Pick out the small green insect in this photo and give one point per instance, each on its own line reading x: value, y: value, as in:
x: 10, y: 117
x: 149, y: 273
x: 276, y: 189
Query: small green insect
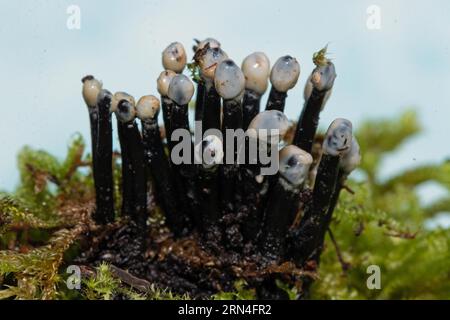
x: 319, y: 57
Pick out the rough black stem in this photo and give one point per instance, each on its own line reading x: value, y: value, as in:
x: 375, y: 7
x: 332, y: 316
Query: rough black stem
x: 104, y: 187
x: 307, y: 237
x: 250, y: 107
x: 161, y: 173
x: 309, y: 121
x: 276, y: 100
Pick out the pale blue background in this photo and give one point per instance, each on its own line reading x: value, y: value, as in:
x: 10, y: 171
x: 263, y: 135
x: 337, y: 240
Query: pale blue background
x: 380, y: 73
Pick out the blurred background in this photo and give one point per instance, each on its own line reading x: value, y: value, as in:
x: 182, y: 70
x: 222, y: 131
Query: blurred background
x: 381, y: 71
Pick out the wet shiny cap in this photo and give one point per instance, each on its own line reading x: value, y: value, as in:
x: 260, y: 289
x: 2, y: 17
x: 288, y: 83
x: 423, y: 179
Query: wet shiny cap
x: 229, y: 80
x: 338, y: 138
x: 262, y: 125
x: 285, y: 73
x: 294, y: 164
x: 147, y: 107
x: 163, y: 82
x: 91, y: 89
x: 126, y: 111
x: 174, y: 57
x: 351, y: 159
x: 323, y: 77
x: 256, y: 69
x: 181, y: 89
x: 209, y: 152
x: 121, y: 96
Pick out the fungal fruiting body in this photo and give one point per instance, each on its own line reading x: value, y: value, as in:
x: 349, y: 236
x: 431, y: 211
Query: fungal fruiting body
x: 174, y: 57
x: 284, y: 199
x: 104, y: 187
x: 90, y: 91
x: 162, y: 84
x: 208, y: 58
x: 336, y: 145
x: 229, y: 82
x: 317, y: 91
x: 240, y: 196
x: 284, y: 76
x: 209, y: 152
x: 133, y: 164
x: 180, y: 92
x: 147, y: 111
x: 266, y: 130
x: 201, y: 87
x: 256, y: 69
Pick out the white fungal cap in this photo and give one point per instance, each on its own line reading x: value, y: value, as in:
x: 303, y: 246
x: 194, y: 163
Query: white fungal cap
x: 294, y: 164
x: 323, y: 77
x: 308, y: 91
x: 338, y: 138
x: 213, y: 43
x: 121, y: 96
x: 181, y: 89
x: 351, y: 159
x: 147, y: 107
x: 174, y: 57
x: 208, y: 60
x: 91, y: 89
x: 163, y: 82
x: 126, y: 111
x: 209, y: 152
x: 256, y: 69
x: 285, y: 73
x: 229, y: 80
x: 270, y: 125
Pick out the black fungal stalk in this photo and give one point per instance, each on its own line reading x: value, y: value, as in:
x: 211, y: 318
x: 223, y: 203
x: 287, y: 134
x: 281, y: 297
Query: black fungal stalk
x: 254, y: 185
x: 133, y: 163
x: 91, y: 89
x: 104, y: 187
x: 180, y: 92
x: 284, y: 200
x: 210, y: 154
x: 229, y: 81
x: 284, y: 76
x: 317, y: 91
x: 256, y: 69
x: 147, y: 111
x: 307, y: 237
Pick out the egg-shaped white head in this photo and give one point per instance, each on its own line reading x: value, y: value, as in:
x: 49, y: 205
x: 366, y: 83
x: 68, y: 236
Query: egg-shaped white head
x: 294, y: 164
x: 323, y: 77
x: 174, y: 57
x: 147, y: 107
x: 91, y: 89
x: 229, y: 80
x: 285, y: 73
x: 181, y: 89
x: 270, y: 126
x: 256, y: 69
x: 338, y: 138
x: 163, y: 81
x: 121, y: 96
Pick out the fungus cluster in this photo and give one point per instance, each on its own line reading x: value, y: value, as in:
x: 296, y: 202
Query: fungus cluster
x: 229, y: 207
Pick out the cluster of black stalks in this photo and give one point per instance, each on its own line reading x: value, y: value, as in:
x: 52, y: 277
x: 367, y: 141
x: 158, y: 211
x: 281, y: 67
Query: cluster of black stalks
x: 231, y: 205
